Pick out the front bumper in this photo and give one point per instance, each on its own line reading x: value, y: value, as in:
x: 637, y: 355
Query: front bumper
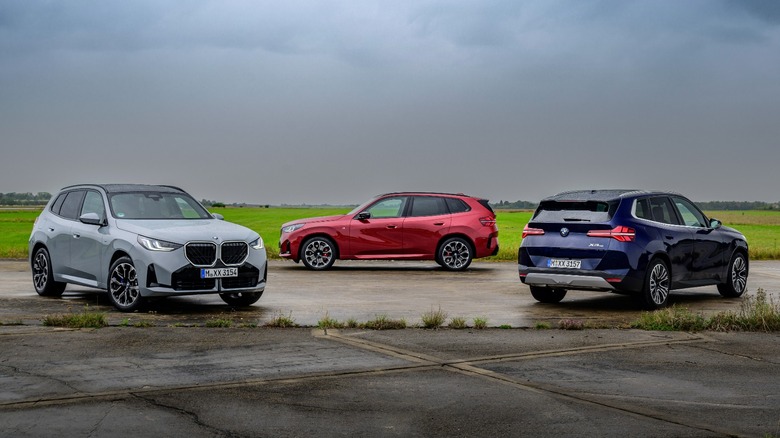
x: 170, y: 274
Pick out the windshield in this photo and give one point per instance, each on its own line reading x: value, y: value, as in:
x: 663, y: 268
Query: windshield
x: 151, y: 205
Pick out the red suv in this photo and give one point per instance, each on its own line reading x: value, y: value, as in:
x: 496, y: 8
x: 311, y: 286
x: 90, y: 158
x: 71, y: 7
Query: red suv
x: 451, y: 229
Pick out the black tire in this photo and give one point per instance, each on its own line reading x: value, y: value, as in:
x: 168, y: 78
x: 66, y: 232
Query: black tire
x: 123, y: 290
x: 455, y: 254
x: 656, y: 286
x: 547, y: 294
x: 736, y: 281
x: 43, y: 276
x: 241, y: 299
x: 318, y: 253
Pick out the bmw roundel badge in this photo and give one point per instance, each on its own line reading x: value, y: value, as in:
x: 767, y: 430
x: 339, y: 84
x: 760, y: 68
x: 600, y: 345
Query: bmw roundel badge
x: 564, y: 231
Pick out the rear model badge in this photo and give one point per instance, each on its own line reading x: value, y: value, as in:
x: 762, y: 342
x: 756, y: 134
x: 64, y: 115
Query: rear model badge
x: 564, y: 231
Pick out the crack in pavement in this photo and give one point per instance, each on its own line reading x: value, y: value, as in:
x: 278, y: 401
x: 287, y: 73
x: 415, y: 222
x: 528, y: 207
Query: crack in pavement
x: 215, y: 431
x: 467, y: 367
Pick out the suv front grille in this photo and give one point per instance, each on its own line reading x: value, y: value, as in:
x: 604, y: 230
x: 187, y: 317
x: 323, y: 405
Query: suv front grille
x: 201, y: 253
x: 233, y: 253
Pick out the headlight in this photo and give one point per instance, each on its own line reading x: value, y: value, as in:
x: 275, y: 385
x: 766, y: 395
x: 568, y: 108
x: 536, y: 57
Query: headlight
x: 291, y: 228
x: 257, y: 243
x: 157, y: 245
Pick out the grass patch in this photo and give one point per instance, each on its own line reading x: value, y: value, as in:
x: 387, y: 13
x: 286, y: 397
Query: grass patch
x: 329, y: 323
x: 480, y: 322
x: 756, y: 314
x: 505, y: 326
x: 352, y: 323
x: 761, y: 228
x: 219, y: 323
x: 434, y: 319
x: 542, y: 325
x: 457, y: 323
x: 143, y: 323
x: 86, y: 319
x: 282, y: 321
x: 382, y: 322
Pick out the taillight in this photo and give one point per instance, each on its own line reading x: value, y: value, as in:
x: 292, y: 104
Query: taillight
x: 487, y: 221
x: 528, y: 231
x: 620, y: 233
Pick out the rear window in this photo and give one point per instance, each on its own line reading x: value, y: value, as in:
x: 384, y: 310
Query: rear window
x: 575, y: 211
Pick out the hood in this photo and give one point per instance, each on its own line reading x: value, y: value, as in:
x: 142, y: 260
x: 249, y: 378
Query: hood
x: 186, y: 230
x: 312, y: 220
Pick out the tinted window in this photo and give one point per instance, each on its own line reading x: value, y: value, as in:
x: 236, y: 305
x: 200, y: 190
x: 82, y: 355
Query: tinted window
x: 72, y: 204
x: 55, y: 208
x: 662, y: 211
x: 457, y: 206
x: 388, y: 207
x: 642, y: 210
x: 691, y: 216
x: 575, y: 211
x: 93, y: 203
x: 152, y: 205
x: 428, y: 206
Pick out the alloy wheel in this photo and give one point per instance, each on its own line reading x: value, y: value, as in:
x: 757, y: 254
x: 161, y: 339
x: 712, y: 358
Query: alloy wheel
x: 456, y: 254
x: 739, y: 275
x: 318, y: 254
x: 124, y: 285
x: 40, y: 271
x: 659, y: 284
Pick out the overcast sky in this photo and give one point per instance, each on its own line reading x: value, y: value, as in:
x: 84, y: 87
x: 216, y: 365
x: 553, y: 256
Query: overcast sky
x: 336, y: 101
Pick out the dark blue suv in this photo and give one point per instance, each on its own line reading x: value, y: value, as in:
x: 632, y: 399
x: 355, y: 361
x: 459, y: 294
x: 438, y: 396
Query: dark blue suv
x: 628, y: 242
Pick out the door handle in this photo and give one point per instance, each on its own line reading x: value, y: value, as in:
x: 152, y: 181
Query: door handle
x: 51, y: 229
x: 438, y: 224
x: 392, y: 227
x: 669, y: 237
x: 76, y: 236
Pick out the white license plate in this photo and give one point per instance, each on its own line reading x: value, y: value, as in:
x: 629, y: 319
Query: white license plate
x: 219, y: 272
x: 562, y: 263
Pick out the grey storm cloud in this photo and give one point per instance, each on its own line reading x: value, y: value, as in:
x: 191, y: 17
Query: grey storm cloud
x: 334, y: 101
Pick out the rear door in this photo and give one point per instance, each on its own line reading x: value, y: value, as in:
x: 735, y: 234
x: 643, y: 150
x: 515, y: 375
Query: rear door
x: 62, y: 237
x: 677, y: 239
x: 428, y: 221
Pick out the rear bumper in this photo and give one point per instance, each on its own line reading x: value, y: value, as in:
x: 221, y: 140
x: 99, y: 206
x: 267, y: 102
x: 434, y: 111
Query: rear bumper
x: 572, y: 279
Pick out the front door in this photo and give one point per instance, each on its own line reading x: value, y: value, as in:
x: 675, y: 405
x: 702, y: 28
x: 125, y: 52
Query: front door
x: 382, y: 233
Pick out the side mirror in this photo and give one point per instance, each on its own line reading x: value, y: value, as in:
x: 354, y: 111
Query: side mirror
x: 363, y: 215
x: 715, y: 224
x: 218, y: 216
x: 91, y: 219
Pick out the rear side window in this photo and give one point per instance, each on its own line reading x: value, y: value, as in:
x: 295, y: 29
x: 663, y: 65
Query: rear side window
x: 661, y: 210
x: 456, y: 205
x: 72, y: 204
x: 428, y: 206
x: 55, y: 208
x: 485, y: 203
x: 575, y: 211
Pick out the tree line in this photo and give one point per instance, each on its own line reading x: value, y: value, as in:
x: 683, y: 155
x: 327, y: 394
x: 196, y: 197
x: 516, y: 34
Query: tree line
x: 24, y: 199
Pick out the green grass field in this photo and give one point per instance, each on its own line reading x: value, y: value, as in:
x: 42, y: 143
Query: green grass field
x: 762, y: 228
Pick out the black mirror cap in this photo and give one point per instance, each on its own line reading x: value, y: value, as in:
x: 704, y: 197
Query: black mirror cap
x: 363, y: 215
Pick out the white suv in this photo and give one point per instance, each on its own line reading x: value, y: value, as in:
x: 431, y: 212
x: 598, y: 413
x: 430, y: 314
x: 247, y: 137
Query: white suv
x: 140, y: 241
